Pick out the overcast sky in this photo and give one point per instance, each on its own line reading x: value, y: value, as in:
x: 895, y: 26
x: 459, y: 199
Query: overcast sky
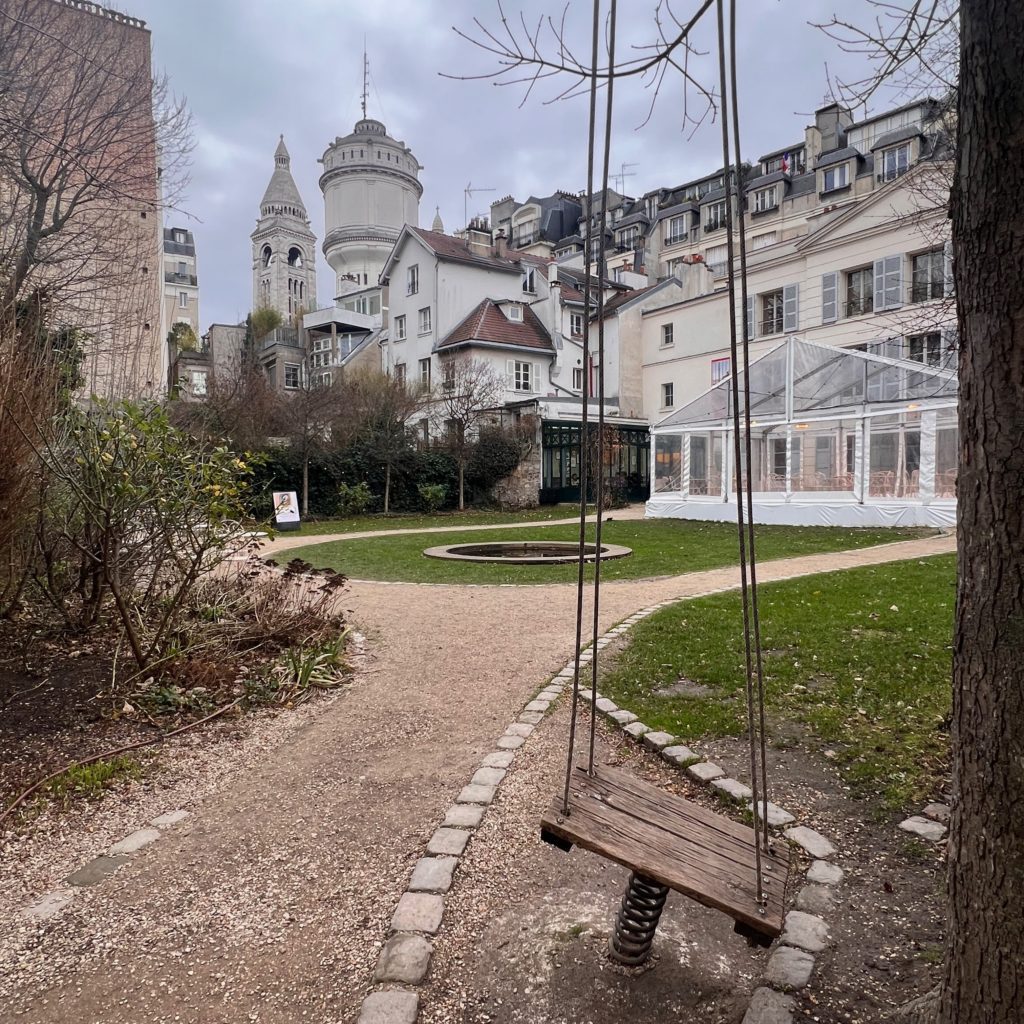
x: 252, y: 69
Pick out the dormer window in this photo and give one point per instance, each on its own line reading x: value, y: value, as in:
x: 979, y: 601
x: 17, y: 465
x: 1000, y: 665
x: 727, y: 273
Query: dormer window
x: 766, y: 199
x: 895, y: 161
x: 675, y: 230
x: 629, y: 237
x: 714, y: 216
x: 835, y: 177
x: 515, y: 312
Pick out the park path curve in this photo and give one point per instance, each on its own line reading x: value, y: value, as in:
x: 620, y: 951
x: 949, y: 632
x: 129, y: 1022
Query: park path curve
x: 271, y: 902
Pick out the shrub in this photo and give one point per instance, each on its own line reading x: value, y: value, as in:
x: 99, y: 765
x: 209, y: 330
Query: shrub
x: 432, y: 496
x: 496, y: 453
x: 354, y: 500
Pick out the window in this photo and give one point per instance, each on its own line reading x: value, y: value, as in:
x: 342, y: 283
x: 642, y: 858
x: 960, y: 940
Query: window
x: 714, y: 216
x: 929, y: 276
x: 763, y: 241
x: 895, y: 161
x: 675, y: 230
x: 766, y: 199
x: 179, y: 236
x: 515, y: 312
x: 292, y: 375
x: 182, y: 269
x: 425, y: 374
x: 720, y: 369
x: 183, y: 300
x: 267, y: 255
x: 925, y: 348
x: 666, y: 335
x: 448, y: 376
x: 576, y: 324
x: 523, y: 376
x: 412, y: 280
x: 835, y: 178
x: 859, y: 292
x: 424, y: 316
x: 778, y: 456
x: 400, y: 373
x: 294, y: 257
x: 788, y: 163
x: 771, y: 313
x: 577, y: 378
x: 530, y: 280
x: 629, y: 237
x: 668, y: 395
x: 717, y: 258
x: 400, y: 334
x: 198, y: 382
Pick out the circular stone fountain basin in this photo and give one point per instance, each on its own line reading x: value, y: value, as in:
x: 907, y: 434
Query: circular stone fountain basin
x: 526, y: 552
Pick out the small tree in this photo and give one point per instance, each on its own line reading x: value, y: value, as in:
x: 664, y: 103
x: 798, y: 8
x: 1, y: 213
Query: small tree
x: 261, y: 322
x: 469, y: 390
x: 182, y: 337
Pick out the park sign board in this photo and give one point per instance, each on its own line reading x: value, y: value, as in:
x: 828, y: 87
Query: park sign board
x: 286, y: 510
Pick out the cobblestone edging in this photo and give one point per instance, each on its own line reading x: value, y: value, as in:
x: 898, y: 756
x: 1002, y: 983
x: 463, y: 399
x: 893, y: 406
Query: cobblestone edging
x: 405, y: 958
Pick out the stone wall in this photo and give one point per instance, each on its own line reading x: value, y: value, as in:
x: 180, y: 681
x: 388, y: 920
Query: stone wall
x: 521, y: 488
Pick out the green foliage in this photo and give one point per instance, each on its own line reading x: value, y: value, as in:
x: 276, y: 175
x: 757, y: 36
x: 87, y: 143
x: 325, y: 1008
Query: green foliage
x: 432, y: 496
x: 496, y: 453
x: 89, y: 780
x: 354, y: 500
x: 262, y: 321
x: 182, y: 337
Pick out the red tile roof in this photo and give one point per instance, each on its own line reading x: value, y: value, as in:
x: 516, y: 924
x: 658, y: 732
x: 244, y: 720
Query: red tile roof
x: 487, y: 323
x: 458, y: 249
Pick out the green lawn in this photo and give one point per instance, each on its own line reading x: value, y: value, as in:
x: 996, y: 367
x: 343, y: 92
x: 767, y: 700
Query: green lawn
x: 859, y: 662
x: 660, y: 547
x: 471, y: 517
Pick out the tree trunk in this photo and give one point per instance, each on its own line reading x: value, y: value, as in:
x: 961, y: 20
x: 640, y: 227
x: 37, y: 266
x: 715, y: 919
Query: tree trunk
x: 387, y: 487
x: 462, y: 487
x: 984, y: 969
x: 305, y: 485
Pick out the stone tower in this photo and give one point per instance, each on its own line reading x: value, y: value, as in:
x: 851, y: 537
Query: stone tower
x: 371, y: 189
x: 283, y: 246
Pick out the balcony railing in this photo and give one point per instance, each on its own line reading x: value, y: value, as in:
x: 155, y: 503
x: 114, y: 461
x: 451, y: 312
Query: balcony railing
x: 675, y: 239
x: 174, y: 278
x: 857, y: 307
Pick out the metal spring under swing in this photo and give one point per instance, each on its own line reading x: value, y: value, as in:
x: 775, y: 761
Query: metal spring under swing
x: 637, y: 921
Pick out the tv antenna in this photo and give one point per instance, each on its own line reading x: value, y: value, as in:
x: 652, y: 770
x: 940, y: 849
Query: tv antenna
x: 622, y: 174
x: 466, y: 193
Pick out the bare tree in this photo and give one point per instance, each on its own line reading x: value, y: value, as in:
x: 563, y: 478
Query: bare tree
x: 470, y: 391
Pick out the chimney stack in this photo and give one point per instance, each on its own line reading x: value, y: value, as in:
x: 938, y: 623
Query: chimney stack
x: 500, y: 244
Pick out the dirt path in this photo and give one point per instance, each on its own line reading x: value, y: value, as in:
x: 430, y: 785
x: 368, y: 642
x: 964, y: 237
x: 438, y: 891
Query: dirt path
x: 271, y: 903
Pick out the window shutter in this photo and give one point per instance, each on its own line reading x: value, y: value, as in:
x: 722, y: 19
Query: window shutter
x: 535, y: 377
x: 750, y: 318
x: 829, y: 298
x: 888, y: 282
x: 510, y: 373
x: 947, y: 269
x: 791, y: 308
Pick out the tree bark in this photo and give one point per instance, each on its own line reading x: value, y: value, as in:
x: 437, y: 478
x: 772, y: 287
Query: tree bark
x: 387, y: 487
x: 462, y: 487
x: 305, y: 484
x: 984, y: 968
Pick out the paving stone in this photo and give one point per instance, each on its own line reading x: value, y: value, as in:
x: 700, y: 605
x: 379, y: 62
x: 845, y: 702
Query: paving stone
x: 478, y: 794
x: 404, y: 958
x: 138, y: 840
x: 824, y: 873
x: 789, y: 969
x: 487, y: 776
x: 769, y: 1007
x: 499, y: 759
x: 733, y: 789
x: 813, y: 843
x: 463, y: 816
x: 805, y: 931
x: 511, y: 742
x: 637, y: 729
x: 622, y: 717
x: 815, y: 899
x: 450, y: 841
x: 777, y: 816
x: 532, y: 717
x: 393, y: 1006
x: 658, y: 740
x: 937, y: 812
x: 433, y: 874
x: 705, y: 771
x: 49, y: 905
x: 537, y: 705
x: 95, y: 871
x: 519, y: 729
x: 168, y: 819
x: 679, y: 754
x: 606, y: 705
x: 933, y: 831
x: 418, y: 912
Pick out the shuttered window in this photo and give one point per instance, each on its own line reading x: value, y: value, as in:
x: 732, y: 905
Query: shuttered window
x: 829, y: 298
x: 888, y: 282
x: 791, y: 308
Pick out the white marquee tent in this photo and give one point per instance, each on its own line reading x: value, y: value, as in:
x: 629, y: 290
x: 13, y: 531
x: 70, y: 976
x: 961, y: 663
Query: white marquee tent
x: 839, y: 437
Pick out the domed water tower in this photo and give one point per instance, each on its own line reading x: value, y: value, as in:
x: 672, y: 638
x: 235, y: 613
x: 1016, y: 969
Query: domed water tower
x: 371, y: 188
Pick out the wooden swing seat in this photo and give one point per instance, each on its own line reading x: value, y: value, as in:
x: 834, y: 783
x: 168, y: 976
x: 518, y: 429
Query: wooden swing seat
x: 705, y: 856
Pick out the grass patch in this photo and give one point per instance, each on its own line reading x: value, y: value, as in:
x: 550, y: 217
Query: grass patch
x: 858, y: 661
x: 660, y: 547
x: 90, y: 780
x: 453, y: 520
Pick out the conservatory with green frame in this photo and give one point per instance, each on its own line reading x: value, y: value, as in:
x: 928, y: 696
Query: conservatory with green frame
x: 839, y: 437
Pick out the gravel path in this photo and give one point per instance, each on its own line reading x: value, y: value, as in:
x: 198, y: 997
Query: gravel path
x: 271, y: 902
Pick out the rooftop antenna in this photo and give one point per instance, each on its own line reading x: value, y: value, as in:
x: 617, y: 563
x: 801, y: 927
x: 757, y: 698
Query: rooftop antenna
x: 621, y: 175
x: 466, y: 193
x: 366, y: 77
